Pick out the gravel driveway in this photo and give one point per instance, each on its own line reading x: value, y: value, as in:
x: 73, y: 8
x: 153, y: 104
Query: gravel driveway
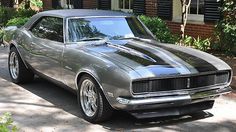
x: 42, y: 106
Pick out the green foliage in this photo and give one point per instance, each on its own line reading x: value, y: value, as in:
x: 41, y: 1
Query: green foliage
x: 226, y: 28
x: 25, y: 13
x: 37, y: 3
x: 6, y: 14
x: 10, y: 16
x: 197, y: 43
x: 10, y: 13
x: 6, y: 123
x: 18, y: 21
x: 202, y: 44
x: 188, y: 40
x: 159, y: 28
x: 1, y: 34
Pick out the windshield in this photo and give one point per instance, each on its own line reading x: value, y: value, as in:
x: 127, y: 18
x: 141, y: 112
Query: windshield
x: 86, y: 29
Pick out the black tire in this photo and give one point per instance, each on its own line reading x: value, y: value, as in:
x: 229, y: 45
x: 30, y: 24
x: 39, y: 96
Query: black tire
x: 104, y: 110
x: 24, y: 75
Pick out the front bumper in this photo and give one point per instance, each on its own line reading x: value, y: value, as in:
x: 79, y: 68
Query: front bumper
x: 172, y: 101
x: 191, y: 97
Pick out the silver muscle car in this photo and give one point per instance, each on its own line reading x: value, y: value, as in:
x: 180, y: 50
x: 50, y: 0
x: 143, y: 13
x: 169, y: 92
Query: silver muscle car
x: 113, y: 62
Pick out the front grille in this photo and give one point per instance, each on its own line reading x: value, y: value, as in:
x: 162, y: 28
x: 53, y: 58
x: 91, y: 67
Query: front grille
x: 189, y: 82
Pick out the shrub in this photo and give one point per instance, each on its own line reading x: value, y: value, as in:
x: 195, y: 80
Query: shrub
x: 226, y: 28
x: 1, y: 35
x: 202, y: 44
x: 159, y: 28
x: 9, y: 13
x: 25, y: 13
x: 197, y: 43
x: 18, y: 21
x: 6, y: 14
x: 6, y: 123
x: 188, y: 40
x: 37, y: 3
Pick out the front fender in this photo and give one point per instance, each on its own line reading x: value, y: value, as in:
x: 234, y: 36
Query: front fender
x: 14, y: 44
x: 112, y: 81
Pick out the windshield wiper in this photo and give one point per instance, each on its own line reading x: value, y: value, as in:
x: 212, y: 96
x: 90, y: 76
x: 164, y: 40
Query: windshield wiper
x: 121, y: 38
x: 124, y: 38
x: 92, y: 39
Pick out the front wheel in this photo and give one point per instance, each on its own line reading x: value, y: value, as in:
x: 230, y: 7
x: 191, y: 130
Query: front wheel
x: 17, y: 69
x: 92, y: 102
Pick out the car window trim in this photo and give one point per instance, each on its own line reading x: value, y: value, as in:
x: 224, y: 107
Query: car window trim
x: 68, y: 18
x: 67, y: 24
x: 39, y: 19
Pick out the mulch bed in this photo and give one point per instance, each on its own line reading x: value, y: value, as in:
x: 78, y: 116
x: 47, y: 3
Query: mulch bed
x: 231, y: 95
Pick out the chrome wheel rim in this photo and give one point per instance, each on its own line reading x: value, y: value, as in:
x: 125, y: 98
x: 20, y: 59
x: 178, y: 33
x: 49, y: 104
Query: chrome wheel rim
x: 14, y: 65
x: 88, y: 97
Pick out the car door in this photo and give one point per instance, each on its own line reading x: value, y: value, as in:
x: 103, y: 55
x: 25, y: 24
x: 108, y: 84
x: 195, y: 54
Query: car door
x: 47, y: 46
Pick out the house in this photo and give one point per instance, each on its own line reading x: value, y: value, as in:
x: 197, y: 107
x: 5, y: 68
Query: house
x: 7, y: 3
x: 10, y: 3
x: 203, y: 14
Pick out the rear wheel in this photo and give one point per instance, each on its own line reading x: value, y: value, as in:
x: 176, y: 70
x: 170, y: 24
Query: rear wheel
x: 92, y: 102
x: 18, y: 72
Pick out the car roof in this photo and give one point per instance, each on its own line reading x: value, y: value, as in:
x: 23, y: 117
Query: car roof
x: 65, y: 13
x: 82, y: 13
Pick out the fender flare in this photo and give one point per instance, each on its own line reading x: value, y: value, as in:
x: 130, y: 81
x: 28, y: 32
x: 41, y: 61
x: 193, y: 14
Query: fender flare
x: 14, y: 44
x: 95, y: 77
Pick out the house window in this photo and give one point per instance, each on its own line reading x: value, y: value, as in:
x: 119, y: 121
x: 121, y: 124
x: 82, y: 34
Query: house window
x: 66, y: 4
x: 126, y: 4
x: 196, y: 7
x: 123, y: 5
x: 196, y: 10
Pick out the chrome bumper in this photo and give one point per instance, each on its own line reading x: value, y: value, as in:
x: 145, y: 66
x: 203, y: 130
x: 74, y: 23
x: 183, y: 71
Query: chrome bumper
x: 177, y: 99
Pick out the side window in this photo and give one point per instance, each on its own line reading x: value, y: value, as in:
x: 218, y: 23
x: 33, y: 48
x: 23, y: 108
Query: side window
x: 49, y: 28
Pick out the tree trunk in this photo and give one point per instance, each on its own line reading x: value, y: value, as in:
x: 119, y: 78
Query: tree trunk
x: 27, y: 4
x: 185, y: 7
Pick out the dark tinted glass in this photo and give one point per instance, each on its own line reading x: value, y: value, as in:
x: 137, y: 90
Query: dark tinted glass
x: 126, y: 4
x: 110, y: 28
x: 197, y: 7
x: 193, y: 7
x: 49, y: 28
x: 121, y: 4
x: 201, y: 7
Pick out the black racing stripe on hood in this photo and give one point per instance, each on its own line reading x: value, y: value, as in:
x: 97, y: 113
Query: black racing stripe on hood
x: 159, y: 61
x: 199, y: 64
x: 136, y: 59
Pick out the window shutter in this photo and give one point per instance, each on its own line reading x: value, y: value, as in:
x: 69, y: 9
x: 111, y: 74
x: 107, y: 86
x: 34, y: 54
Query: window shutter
x: 104, y: 4
x: 55, y: 4
x: 139, y: 7
x: 7, y: 3
x: 78, y: 4
x: 164, y: 9
x: 211, y: 11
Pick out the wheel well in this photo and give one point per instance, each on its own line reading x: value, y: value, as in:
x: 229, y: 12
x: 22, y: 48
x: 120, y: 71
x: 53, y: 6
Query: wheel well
x: 12, y: 45
x: 100, y: 88
x: 80, y: 76
x: 85, y: 73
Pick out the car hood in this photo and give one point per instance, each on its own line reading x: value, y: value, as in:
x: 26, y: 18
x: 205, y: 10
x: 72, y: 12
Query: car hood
x: 152, y: 59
